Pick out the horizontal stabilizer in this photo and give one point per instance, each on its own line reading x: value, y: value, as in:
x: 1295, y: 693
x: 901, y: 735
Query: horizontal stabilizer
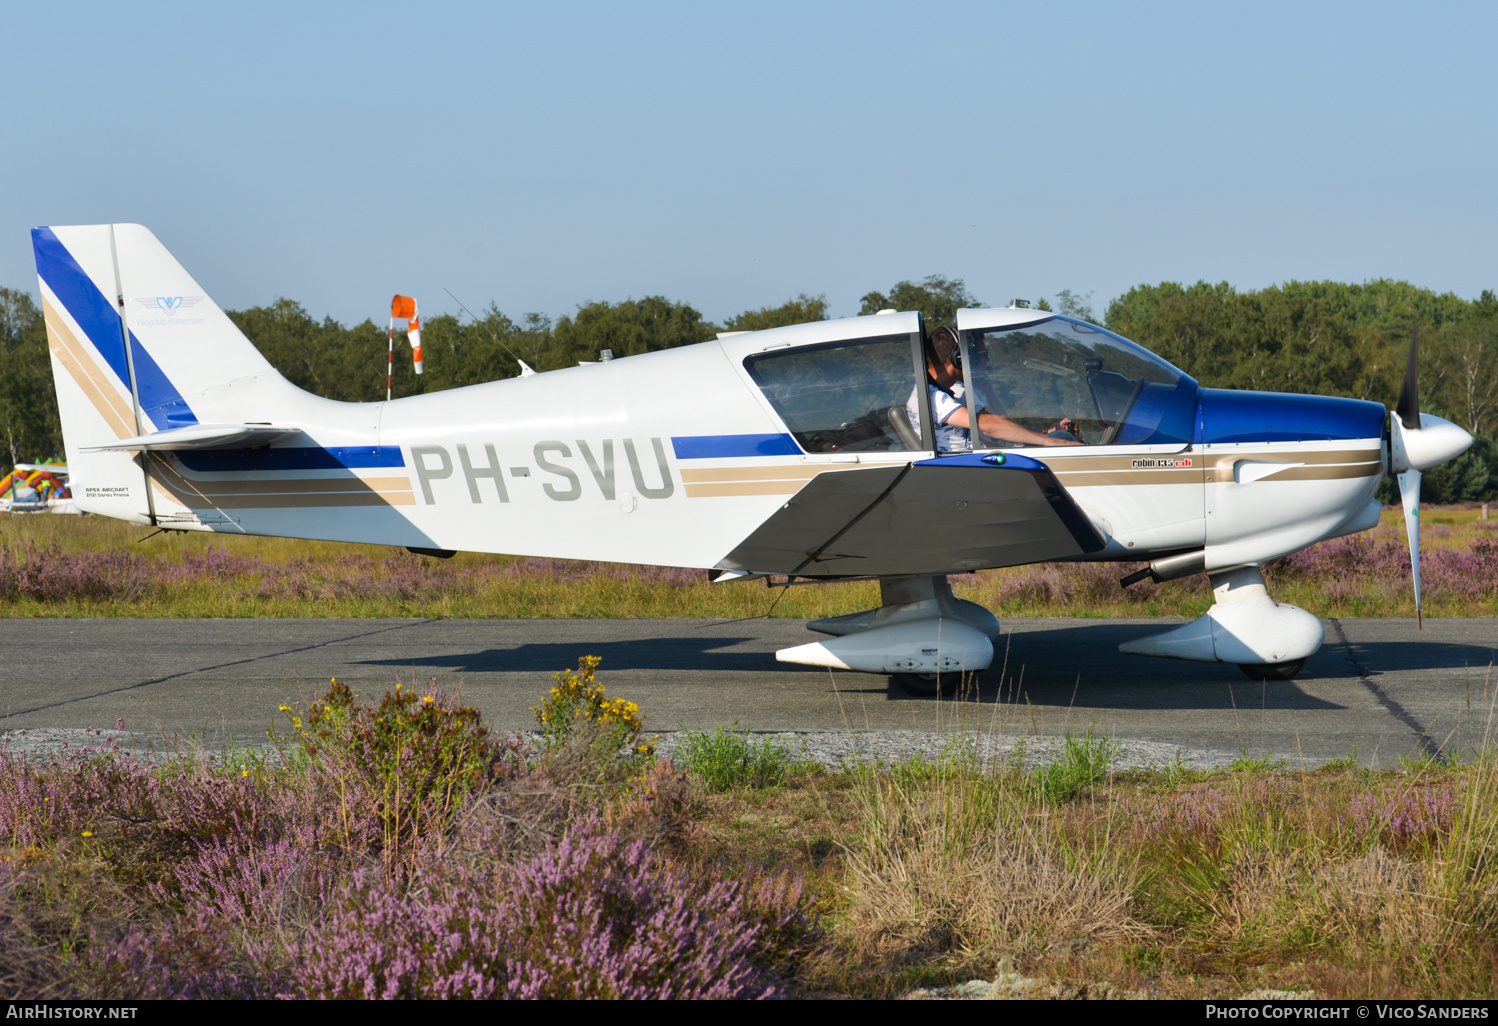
x: 200, y: 436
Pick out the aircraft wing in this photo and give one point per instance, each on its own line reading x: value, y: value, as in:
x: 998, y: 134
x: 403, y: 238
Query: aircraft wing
x: 936, y: 516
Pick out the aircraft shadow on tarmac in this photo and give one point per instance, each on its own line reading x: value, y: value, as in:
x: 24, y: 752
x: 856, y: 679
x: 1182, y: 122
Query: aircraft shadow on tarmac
x: 1425, y: 655
x: 1066, y: 666
x: 682, y: 653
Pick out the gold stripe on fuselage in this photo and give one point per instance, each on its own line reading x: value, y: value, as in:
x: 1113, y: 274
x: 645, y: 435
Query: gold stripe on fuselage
x: 788, y: 479
x: 1224, y: 475
x: 1314, y: 465
x: 799, y: 471
x: 1094, y: 471
x: 286, y: 493
x: 1124, y: 469
x: 1150, y: 476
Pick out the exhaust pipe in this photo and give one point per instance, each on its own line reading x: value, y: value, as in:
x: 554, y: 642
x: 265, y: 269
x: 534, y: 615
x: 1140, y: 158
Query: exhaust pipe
x: 1170, y: 568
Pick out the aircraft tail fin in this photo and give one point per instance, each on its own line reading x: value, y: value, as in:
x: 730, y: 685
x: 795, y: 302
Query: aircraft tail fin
x: 139, y: 348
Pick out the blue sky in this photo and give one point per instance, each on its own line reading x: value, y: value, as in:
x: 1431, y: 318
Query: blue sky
x: 542, y: 155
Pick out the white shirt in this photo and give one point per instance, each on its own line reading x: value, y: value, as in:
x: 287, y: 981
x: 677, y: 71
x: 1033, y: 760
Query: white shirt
x: 943, y: 404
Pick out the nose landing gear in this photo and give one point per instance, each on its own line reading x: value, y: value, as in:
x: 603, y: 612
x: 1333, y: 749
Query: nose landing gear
x: 1272, y: 671
x: 1269, y: 640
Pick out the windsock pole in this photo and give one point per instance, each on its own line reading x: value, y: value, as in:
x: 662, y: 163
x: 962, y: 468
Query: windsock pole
x: 390, y: 361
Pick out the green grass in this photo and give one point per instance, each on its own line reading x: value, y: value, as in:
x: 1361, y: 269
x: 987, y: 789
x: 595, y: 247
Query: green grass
x: 1246, y: 763
x: 727, y: 759
x: 1085, y: 761
x: 1183, y: 884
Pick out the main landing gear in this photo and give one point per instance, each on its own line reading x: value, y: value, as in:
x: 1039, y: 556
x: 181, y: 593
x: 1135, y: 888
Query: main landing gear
x: 921, y: 635
x: 1268, y: 640
x: 927, y: 685
x: 927, y: 640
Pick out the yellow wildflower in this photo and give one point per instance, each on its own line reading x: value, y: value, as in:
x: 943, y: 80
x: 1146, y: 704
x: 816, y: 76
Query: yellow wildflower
x: 88, y: 833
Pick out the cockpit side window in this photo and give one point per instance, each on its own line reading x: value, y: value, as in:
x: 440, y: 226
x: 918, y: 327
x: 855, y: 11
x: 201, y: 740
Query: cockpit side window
x: 843, y: 396
x: 1072, y: 379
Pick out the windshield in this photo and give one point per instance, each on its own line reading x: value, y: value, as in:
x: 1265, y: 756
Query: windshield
x: 1074, y: 380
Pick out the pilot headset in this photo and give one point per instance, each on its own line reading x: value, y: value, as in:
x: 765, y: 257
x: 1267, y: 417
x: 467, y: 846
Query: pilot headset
x: 947, y: 329
x: 934, y: 358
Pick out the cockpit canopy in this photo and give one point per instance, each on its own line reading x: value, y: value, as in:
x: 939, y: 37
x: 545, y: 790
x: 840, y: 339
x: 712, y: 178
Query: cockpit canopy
x: 1037, y: 373
x: 872, y: 393
x: 846, y: 396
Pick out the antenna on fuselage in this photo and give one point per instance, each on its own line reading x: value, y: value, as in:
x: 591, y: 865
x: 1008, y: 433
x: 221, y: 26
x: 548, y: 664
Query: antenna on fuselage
x: 525, y: 368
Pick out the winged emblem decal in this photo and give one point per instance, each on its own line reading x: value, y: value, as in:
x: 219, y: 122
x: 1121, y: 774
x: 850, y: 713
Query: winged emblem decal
x: 169, y: 305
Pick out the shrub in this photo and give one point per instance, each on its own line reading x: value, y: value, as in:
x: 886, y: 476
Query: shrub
x: 394, y: 857
x: 191, y: 958
x: 416, y: 758
x: 592, y: 916
x: 576, y: 697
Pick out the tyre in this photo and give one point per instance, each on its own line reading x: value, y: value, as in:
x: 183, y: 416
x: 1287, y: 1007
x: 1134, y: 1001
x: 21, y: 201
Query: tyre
x: 1272, y: 671
x: 928, y: 685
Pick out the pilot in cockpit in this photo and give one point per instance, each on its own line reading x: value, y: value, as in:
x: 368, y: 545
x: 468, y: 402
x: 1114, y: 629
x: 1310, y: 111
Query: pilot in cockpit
x: 949, y: 403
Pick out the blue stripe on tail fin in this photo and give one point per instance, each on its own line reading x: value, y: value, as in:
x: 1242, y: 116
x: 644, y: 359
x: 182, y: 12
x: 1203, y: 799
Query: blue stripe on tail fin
x: 96, y: 315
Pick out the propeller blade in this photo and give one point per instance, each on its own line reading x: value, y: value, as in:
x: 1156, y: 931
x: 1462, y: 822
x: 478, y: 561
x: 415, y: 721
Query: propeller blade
x: 1409, y: 494
x: 1409, y: 396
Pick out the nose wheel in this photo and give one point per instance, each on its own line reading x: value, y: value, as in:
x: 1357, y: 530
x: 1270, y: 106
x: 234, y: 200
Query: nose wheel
x: 928, y: 685
x: 1272, y: 671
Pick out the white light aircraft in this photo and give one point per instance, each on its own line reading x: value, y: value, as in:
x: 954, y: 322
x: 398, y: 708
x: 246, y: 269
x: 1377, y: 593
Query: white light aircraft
x: 809, y: 451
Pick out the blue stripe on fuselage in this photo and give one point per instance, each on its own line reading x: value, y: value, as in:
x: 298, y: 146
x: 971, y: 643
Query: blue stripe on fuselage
x: 1228, y: 415
x: 349, y: 457
x: 710, y: 447
x: 1012, y: 461
x: 100, y: 321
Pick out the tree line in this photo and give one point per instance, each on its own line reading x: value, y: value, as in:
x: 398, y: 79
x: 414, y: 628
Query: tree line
x: 1320, y: 337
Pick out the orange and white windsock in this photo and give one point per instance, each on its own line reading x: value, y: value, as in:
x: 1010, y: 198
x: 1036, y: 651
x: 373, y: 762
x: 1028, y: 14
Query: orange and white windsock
x: 405, y: 308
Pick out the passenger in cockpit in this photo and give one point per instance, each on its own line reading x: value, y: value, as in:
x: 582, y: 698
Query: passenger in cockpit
x: 949, y: 405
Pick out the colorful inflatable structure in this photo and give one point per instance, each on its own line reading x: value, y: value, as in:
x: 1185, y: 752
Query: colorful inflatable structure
x: 37, y: 488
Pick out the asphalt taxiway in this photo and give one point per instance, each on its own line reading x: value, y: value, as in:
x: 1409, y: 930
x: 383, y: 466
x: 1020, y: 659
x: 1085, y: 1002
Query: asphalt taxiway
x: 1378, y: 686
